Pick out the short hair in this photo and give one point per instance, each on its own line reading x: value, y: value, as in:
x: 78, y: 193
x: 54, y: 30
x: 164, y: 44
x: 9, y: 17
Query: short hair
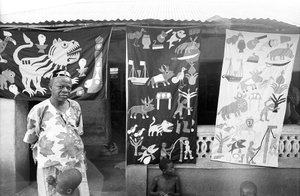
x: 248, y: 185
x: 163, y: 164
x: 69, y: 179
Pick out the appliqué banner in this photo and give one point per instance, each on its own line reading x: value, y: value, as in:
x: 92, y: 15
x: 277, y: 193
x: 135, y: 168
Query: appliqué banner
x: 162, y: 86
x: 256, y: 74
x: 28, y: 57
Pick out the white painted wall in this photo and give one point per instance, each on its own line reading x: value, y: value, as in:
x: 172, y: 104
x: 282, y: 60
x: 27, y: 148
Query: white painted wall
x: 14, y: 153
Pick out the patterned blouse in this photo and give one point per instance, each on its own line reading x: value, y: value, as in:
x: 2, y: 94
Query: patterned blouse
x: 55, y: 136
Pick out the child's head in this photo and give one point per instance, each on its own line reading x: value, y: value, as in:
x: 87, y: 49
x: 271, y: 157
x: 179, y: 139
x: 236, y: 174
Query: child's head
x: 67, y: 181
x: 166, y: 166
x: 248, y: 188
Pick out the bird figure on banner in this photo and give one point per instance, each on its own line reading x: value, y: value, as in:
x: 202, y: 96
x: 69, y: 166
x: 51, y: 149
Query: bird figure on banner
x: 179, y: 77
x: 3, y: 44
x: 136, y: 36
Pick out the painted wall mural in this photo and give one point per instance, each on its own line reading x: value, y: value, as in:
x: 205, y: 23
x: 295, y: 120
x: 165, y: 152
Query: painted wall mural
x: 256, y: 73
x: 28, y: 57
x: 162, y: 86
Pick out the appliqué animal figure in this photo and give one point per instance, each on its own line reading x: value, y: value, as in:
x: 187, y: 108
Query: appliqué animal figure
x: 244, y: 126
x: 3, y: 44
x: 165, y: 126
x: 238, y: 144
x: 236, y: 107
x: 165, y: 75
x: 179, y: 78
x: 141, y: 109
x: 6, y: 76
x: 147, y: 154
x: 244, y: 86
x: 177, y: 36
x: 191, y: 51
x: 233, y: 39
x: 281, y: 53
x: 61, y: 53
x: 220, y: 126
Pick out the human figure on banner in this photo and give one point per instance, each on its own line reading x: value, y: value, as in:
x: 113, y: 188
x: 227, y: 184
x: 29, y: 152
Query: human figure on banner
x: 53, y: 129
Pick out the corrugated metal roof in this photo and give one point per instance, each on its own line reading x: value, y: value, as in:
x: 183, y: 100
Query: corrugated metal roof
x: 185, y: 10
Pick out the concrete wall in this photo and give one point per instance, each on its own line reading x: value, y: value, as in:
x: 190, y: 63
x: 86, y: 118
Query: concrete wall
x: 136, y: 180
x: 14, y: 154
x: 225, y: 182
x: 96, y: 119
x: 97, y: 126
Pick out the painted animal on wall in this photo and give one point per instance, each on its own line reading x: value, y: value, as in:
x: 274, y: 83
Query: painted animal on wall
x: 236, y: 107
x: 142, y: 109
x: 163, y: 78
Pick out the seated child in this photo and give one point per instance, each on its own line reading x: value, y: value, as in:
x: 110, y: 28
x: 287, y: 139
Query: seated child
x: 66, y: 182
x: 167, y: 183
x: 248, y: 188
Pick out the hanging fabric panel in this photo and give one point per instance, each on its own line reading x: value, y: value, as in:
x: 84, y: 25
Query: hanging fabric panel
x: 256, y: 73
x: 28, y: 57
x: 162, y: 85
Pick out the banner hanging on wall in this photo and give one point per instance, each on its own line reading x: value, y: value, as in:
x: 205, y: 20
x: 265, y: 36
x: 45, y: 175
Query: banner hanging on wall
x: 256, y: 74
x: 28, y: 58
x: 162, y: 86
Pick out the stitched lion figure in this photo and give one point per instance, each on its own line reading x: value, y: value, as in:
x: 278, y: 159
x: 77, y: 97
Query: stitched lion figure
x: 33, y: 69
